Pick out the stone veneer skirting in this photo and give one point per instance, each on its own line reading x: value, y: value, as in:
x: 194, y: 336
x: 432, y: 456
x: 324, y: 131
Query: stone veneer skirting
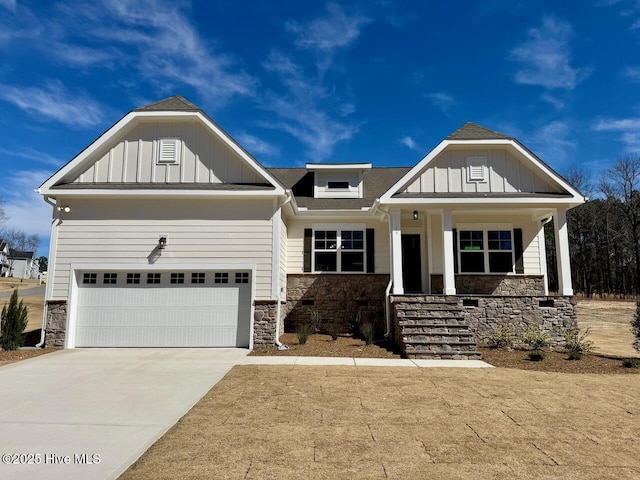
x: 56, y: 329
x: 493, y: 284
x: 554, y: 314
x: 337, y: 298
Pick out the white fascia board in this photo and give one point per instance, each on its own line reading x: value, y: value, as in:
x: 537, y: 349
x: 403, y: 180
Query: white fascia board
x: 482, y: 202
x: 414, y: 171
x: 338, y: 166
x: 157, y: 193
x: 45, y: 188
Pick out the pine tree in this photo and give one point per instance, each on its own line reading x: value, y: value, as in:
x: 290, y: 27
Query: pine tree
x: 12, y: 323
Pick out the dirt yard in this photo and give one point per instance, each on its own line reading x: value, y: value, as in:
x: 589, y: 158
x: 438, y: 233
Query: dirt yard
x: 275, y: 422
x: 609, y: 324
x: 7, y: 284
x: 35, y: 304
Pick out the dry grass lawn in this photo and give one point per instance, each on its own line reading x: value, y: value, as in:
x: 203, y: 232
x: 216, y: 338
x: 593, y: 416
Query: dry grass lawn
x: 281, y: 422
x: 609, y: 322
x: 7, y: 283
x: 34, y: 303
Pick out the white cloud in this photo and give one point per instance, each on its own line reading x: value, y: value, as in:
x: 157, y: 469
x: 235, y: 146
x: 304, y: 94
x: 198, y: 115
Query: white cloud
x: 29, y: 153
x: 8, y: 4
x: 556, y: 102
x: 442, y: 100
x: 409, y: 143
x: 544, y: 58
x: 256, y: 146
x: 26, y: 210
x: 627, y: 128
x: 306, y: 110
x: 551, y: 142
x: 53, y: 101
x: 633, y: 73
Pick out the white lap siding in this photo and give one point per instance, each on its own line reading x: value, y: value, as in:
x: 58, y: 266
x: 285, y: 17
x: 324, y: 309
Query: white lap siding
x: 199, y: 231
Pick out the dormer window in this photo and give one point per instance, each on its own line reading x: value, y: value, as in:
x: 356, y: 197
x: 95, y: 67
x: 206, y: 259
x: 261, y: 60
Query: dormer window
x: 343, y: 180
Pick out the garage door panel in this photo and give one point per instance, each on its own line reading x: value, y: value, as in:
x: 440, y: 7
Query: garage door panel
x: 164, y: 314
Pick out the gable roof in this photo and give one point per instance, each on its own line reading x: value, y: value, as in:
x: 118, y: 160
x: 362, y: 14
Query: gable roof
x: 376, y: 181
x: 20, y: 254
x: 471, y: 133
x: 176, y: 106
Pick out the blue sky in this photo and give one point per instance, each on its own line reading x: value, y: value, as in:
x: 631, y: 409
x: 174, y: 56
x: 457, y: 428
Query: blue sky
x: 294, y: 81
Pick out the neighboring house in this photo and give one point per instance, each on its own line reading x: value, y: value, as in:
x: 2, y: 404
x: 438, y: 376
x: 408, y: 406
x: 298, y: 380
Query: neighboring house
x: 22, y: 264
x: 4, y: 262
x: 167, y: 232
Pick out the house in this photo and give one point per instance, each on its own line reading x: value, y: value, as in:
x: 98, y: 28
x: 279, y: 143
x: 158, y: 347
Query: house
x: 167, y: 232
x: 4, y: 262
x: 22, y: 264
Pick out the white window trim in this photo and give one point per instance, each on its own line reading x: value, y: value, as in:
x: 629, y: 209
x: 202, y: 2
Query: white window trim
x: 477, y: 169
x: 338, y: 227
x: 176, y: 142
x: 485, y: 227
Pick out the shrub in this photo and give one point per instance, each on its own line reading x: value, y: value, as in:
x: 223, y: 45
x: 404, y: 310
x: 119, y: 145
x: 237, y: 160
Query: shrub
x: 635, y: 327
x: 316, y: 321
x: 536, y: 355
x: 366, y: 329
x: 631, y: 363
x: 303, y: 333
x: 355, y: 318
x: 503, y: 338
x: 577, y: 343
x: 535, y: 338
x: 333, y: 329
x: 13, y: 321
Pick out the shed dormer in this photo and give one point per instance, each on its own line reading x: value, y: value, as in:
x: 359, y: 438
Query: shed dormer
x: 338, y: 180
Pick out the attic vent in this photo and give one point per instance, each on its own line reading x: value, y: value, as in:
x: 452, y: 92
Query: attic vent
x: 476, y: 169
x: 338, y: 185
x: 168, y: 151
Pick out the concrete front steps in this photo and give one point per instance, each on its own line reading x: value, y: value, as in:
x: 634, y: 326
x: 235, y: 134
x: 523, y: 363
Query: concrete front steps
x: 435, y: 330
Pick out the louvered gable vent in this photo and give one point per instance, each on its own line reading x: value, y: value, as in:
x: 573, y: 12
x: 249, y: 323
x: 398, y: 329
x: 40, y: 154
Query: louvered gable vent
x: 476, y: 169
x: 168, y: 151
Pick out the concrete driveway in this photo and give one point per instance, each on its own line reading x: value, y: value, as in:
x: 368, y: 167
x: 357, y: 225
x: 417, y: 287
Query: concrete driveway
x: 90, y: 413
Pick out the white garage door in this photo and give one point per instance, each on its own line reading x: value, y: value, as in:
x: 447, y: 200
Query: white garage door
x: 163, y: 309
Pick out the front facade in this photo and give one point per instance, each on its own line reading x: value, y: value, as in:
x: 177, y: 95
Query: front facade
x: 21, y: 264
x: 166, y: 232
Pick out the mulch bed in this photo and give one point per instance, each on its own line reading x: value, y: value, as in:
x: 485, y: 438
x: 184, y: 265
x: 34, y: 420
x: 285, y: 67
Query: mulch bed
x: 345, y: 346
x: 10, y: 356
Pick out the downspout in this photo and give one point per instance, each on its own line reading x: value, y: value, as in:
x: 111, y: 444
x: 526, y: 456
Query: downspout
x: 280, y: 345
x: 387, y: 292
x: 45, y: 310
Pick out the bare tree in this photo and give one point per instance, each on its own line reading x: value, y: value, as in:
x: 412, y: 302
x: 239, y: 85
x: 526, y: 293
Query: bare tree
x: 621, y: 183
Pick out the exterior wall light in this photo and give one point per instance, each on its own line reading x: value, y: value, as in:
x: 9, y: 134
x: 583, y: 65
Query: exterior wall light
x: 65, y: 209
x: 415, y: 214
x: 162, y: 242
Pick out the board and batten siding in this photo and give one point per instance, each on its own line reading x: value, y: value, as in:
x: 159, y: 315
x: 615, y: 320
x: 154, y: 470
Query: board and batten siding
x: 530, y: 246
x: 506, y: 173
x: 295, y: 250
x: 283, y: 257
x: 198, y: 232
x: 204, y: 158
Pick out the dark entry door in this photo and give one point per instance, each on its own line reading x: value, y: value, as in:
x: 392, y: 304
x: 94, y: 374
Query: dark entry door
x: 411, y: 263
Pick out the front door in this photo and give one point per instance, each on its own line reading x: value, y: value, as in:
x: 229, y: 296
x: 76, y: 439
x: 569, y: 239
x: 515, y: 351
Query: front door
x: 411, y: 263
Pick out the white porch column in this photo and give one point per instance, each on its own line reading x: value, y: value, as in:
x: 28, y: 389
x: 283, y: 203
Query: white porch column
x: 448, y: 277
x: 396, y: 252
x: 562, y: 252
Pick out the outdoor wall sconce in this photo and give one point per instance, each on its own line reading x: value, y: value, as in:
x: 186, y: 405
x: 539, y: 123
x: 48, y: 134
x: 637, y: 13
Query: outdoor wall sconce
x: 162, y: 242
x: 415, y: 214
x: 65, y: 209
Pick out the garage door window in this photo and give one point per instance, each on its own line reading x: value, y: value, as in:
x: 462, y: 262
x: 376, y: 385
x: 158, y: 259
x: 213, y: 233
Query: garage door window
x: 90, y: 278
x: 153, y: 278
x: 197, y: 277
x: 221, y: 277
x: 133, y: 278
x: 177, y: 278
x: 110, y: 278
x: 242, y: 277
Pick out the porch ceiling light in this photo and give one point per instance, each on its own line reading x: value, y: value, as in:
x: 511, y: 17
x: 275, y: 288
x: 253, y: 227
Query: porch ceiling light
x: 415, y: 214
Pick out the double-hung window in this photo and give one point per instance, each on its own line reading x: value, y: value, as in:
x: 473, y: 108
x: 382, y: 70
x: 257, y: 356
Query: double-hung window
x: 339, y: 250
x: 486, y: 250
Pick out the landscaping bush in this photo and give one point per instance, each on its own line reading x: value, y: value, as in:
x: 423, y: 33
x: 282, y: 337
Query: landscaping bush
x: 635, y: 327
x: 503, y: 338
x: 13, y: 321
x: 316, y: 321
x: 303, y: 333
x: 577, y: 343
x: 631, y: 363
x: 535, y: 338
x: 536, y: 355
x: 366, y: 329
x: 333, y: 329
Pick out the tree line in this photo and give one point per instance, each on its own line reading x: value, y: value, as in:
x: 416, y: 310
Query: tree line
x: 604, y: 233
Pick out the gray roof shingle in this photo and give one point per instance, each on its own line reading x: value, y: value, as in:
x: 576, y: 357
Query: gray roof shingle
x: 472, y: 131
x: 176, y: 103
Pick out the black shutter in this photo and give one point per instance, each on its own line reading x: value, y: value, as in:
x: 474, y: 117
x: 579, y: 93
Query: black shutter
x: 308, y: 235
x: 455, y: 250
x: 517, y: 249
x: 370, y: 246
